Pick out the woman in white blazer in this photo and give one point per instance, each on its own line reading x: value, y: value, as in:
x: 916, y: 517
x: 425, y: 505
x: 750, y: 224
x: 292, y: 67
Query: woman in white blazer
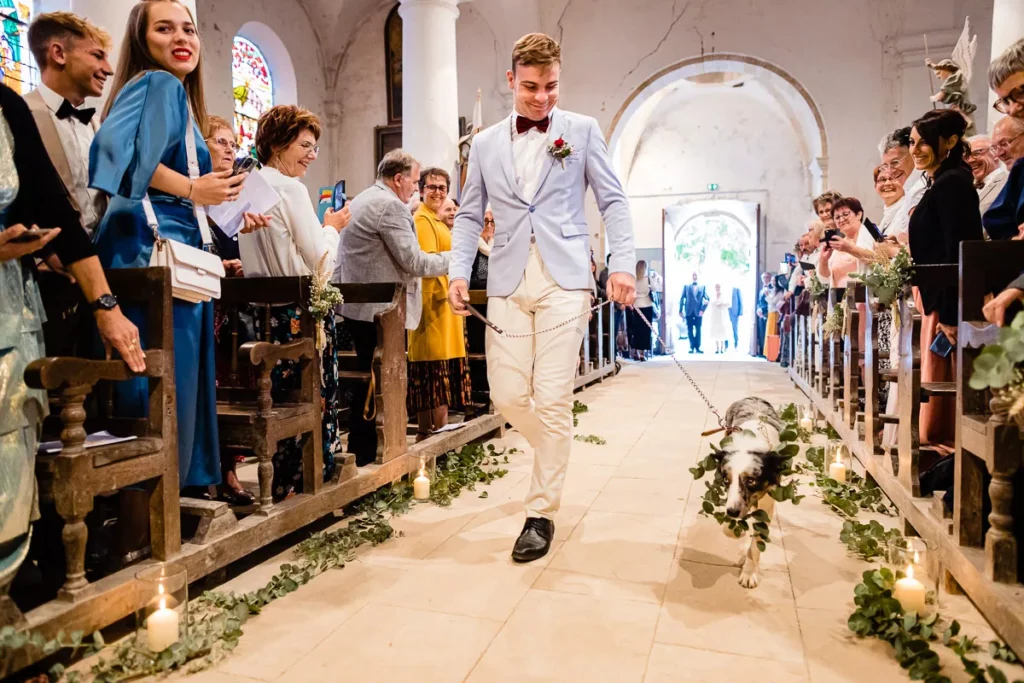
x: 293, y: 244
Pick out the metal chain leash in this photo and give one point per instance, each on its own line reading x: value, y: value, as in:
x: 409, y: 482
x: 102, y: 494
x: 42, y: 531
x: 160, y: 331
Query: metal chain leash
x: 657, y: 336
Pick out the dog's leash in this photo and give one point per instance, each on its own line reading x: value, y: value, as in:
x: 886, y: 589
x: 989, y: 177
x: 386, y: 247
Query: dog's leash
x: 523, y: 335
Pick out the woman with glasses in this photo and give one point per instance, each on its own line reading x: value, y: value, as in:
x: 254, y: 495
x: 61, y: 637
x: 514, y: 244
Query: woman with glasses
x: 223, y: 148
x: 842, y: 255
x: 295, y: 244
x: 438, y: 371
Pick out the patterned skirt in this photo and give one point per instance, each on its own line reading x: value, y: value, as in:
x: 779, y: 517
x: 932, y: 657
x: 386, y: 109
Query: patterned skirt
x: 436, y: 383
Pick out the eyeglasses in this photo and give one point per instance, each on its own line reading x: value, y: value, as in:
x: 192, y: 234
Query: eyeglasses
x: 845, y: 216
x: 224, y: 142
x: 488, y: 221
x: 309, y: 147
x: 999, y: 147
x: 894, y: 164
x: 1016, y: 96
x: 441, y: 189
x: 980, y: 153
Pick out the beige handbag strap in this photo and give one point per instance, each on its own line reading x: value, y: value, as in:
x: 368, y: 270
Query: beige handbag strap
x: 193, y: 174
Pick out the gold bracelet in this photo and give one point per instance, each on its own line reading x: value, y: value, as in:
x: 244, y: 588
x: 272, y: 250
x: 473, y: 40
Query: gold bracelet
x: 189, y: 195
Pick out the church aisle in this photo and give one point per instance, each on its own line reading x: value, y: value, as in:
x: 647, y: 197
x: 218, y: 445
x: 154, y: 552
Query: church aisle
x: 637, y: 587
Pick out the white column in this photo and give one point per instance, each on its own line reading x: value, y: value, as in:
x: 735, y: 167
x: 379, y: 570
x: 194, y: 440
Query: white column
x: 430, y: 92
x: 1007, y: 28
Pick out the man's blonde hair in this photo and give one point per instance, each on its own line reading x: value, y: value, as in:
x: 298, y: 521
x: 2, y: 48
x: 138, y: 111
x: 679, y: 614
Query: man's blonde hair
x: 536, y: 49
x: 61, y: 27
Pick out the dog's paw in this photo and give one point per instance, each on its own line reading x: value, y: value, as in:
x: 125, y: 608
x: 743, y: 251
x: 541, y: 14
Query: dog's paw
x: 750, y: 579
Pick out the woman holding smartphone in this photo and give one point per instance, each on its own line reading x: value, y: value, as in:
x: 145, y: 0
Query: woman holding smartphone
x: 142, y: 149
x: 947, y: 214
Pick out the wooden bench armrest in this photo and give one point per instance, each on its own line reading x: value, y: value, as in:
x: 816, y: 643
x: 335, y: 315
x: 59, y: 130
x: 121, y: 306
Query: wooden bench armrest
x: 260, y: 353
x: 56, y: 371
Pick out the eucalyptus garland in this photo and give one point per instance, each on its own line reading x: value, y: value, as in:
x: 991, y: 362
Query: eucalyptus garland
x: 590, y: 438
x: 215, y: 618
x: 578, y: 408
x: 757, y: 521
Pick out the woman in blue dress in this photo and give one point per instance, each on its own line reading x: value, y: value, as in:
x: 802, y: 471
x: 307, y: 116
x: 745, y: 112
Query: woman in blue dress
x: 140, y: 149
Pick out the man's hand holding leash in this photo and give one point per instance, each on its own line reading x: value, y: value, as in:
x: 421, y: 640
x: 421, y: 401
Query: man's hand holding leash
x: 622, y: 288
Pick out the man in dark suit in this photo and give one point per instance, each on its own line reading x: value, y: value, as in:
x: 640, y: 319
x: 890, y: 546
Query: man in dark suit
x: 695, y: 300
x: 735, y: 311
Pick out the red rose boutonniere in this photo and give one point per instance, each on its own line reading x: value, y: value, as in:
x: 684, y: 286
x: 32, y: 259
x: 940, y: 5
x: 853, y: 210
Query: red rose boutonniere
x: 561, y: 150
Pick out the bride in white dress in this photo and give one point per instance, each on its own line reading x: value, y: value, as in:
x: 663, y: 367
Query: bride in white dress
x: 717, y: 320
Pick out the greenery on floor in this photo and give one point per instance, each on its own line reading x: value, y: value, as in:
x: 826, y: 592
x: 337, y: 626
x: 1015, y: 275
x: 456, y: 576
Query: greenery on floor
x: 578, y: 407
x: 878, y: 614
x: 590, y: 438
x: 215, y: 618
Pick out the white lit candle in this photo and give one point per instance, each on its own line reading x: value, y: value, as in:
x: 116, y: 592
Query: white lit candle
x: 806, y: 424
x: 837, y: 470
x: 162, y: 628
x: 421, y: 486
x: 910, y: 592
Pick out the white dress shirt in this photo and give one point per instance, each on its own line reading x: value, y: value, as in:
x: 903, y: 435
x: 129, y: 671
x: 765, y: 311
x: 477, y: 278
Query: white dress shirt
x: 991, y: 186
x: 528, y: 152
x: 294, y: 241
x: 76, y: 138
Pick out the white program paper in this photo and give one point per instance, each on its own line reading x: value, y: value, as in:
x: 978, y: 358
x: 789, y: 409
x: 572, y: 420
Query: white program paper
x: 257, y: 197
x: 91, y: 441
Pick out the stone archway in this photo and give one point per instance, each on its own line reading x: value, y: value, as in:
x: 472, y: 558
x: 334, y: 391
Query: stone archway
x: 803, y: 111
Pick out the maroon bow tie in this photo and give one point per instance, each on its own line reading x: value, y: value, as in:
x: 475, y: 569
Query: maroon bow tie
x: 524, y: 124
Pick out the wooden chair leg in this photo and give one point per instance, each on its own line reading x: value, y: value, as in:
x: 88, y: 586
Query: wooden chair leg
x: 1000, y: 543
x: 72, y: 495
x: 265, y: 469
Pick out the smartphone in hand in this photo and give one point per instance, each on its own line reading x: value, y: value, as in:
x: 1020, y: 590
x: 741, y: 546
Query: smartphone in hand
x: 31, y: 235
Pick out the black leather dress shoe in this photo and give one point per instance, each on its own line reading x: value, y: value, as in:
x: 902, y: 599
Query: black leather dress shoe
x: 535, y: 540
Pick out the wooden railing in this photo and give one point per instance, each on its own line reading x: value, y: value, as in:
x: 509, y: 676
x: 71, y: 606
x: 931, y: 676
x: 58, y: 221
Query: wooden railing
x: 980, y: 550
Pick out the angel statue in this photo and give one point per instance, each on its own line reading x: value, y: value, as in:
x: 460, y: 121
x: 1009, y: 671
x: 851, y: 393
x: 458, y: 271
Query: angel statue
x: 955, y: 75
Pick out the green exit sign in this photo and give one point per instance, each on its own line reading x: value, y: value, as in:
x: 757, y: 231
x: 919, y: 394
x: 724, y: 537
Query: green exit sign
x: 712, y: 187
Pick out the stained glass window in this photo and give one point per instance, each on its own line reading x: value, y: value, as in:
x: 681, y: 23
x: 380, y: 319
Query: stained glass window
x: 253, y: 90
x: 16, y: 64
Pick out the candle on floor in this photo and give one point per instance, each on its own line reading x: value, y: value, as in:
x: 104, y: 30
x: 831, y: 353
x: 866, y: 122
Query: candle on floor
x: 421, y: 486
x: 162, y: 628
x: 837, y: 470
x: 806, y: 424
x: 910, y: 592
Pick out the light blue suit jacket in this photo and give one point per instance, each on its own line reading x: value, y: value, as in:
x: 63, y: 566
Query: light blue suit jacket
x: 555, y: 216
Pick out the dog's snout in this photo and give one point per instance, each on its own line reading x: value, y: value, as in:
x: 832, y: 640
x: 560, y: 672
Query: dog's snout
x: 733, y: 512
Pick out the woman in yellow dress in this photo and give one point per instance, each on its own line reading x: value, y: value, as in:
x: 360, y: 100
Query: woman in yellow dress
x: 438, y: 370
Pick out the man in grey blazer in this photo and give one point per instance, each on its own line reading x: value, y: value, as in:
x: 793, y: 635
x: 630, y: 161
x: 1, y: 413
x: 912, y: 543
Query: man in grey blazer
x: 380, y: 245
x: 534, y: 167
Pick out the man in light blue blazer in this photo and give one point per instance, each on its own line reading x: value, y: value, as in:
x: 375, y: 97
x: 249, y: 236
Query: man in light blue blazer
x: 534, y: 167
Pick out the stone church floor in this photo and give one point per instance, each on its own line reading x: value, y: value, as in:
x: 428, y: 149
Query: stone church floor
x: 637, y: 587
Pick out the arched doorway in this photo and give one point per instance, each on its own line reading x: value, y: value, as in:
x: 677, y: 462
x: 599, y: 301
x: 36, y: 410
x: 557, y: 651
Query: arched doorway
x: 715, y: 130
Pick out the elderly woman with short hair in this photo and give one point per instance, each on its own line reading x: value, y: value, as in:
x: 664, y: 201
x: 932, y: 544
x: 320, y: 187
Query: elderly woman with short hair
x: 295, y: 244
x: 438, y: 370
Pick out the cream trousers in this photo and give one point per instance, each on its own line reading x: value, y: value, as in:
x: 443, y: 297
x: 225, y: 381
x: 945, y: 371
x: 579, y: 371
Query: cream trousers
x: 531, y: 379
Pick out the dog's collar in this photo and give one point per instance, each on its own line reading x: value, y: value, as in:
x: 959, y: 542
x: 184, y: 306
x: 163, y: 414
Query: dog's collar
x: 728, y: 431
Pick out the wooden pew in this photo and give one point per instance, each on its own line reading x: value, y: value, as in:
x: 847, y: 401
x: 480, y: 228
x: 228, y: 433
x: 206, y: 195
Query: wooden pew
x: 247, y: 416
x: 73, y: 477
x: 874, y: 418
x: 853, y: 355
x: 912, y: 392
x: 987, y: 447
x: 833, y: 369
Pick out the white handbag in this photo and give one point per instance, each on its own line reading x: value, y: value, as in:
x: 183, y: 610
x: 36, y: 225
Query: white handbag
x: 195, y: 273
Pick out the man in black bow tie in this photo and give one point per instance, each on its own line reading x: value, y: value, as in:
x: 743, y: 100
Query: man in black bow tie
x: 73, y: 65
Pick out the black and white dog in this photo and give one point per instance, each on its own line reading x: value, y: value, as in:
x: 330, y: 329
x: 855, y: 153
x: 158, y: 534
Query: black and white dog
x: 751, y: 468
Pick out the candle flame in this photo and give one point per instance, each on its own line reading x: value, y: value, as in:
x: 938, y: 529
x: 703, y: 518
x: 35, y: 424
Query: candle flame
x: 163, y: 603
x: 422, y: 472
x: 910, y: 571
x: 917, y: 558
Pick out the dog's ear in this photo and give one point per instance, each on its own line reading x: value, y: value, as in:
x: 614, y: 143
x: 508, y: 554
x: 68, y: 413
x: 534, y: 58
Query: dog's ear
x: 777, y: 462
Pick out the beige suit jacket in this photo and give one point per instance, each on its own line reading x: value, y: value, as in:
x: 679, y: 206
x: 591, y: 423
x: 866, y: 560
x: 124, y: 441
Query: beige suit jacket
x: 55, y: 149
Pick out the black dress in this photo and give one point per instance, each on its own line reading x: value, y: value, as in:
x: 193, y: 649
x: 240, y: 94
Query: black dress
x: 947, y: 215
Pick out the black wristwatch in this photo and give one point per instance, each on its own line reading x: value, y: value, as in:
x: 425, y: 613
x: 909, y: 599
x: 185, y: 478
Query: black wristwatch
x: 106, y: 302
